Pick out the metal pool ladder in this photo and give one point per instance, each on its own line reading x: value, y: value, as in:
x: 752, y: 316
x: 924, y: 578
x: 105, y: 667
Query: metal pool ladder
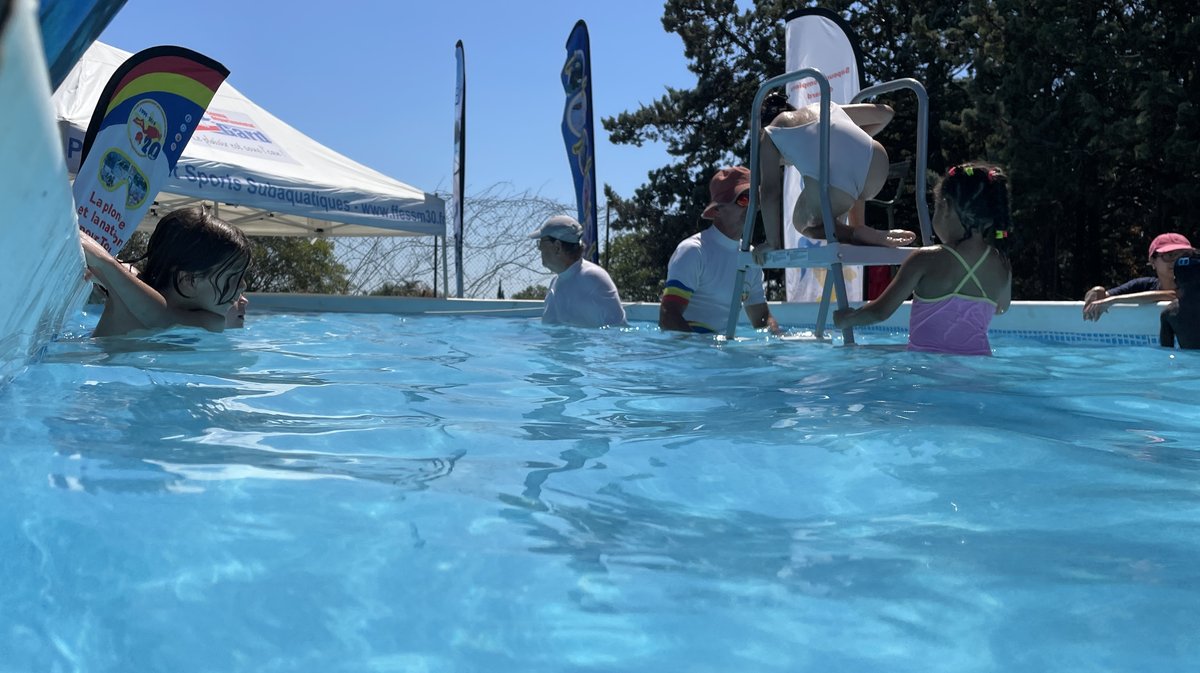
x: 834, y: 254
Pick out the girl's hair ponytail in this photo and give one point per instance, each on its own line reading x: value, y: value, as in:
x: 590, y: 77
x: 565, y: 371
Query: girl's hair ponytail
x: 978, y: 192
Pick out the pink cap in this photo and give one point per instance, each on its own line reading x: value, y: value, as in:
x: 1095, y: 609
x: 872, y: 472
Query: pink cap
x: 1164, y: 243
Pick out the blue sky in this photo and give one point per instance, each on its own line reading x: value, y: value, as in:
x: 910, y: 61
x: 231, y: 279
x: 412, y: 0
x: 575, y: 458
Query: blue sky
x: 374, y: 79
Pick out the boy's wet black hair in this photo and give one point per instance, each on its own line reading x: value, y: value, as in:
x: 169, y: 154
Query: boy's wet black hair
x: 191, y: 240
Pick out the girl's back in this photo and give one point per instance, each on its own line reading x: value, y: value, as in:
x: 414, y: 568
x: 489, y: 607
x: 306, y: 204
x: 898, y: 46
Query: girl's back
x: 974, y: 270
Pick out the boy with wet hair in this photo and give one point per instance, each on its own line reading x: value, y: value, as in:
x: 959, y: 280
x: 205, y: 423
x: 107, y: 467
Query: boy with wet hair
x: 1181, y: 319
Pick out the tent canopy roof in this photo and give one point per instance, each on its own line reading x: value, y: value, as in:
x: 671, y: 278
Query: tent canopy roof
x: 264, y: 176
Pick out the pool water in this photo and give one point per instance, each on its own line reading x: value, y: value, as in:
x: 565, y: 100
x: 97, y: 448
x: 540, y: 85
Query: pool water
x: 386, y: 493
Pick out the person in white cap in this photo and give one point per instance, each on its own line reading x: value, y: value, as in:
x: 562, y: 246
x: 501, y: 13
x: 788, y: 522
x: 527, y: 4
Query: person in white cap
x: 582, y: 293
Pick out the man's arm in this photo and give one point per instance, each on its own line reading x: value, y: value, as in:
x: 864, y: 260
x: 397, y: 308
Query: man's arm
x: 760, y: 317
x: 670, y: 314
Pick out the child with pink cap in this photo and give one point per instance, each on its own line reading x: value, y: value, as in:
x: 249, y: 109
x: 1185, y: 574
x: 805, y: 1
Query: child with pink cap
x: 1164, y: 250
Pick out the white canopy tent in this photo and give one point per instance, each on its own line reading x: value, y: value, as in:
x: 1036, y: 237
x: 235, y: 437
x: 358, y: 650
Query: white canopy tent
x: 263, y: 175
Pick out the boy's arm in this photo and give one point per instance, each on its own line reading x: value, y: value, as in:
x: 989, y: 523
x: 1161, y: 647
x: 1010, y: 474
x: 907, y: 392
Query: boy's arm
x: 141, y: 301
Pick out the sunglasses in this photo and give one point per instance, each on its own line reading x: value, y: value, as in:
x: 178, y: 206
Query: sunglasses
x: 1170, y: 256
x: 742, y: 200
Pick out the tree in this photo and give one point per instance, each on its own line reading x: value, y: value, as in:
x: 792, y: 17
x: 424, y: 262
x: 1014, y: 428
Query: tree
x: 284, y: 264
x: 278, y: 264
x: 532, y: 292
x: 732, y: 52
x: 1094, y: 109
x: 405, y: 288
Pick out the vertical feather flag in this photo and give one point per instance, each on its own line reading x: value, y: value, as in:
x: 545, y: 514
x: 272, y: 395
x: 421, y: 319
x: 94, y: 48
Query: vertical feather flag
x: 579, y: 135
x: 460, y: 157
x: 68, y: 28
x: 143, y: 120
x: 818, y: 38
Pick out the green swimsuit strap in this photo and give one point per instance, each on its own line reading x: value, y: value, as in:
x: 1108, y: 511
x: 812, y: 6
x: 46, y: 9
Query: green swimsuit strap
x: 970, y: 270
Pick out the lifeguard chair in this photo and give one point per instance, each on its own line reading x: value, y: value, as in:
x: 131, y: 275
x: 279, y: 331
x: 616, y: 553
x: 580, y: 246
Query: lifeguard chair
x: 833, y: 255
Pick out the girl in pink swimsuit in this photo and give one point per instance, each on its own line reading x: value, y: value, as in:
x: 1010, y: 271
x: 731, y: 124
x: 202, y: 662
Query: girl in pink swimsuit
x: 959, y: 285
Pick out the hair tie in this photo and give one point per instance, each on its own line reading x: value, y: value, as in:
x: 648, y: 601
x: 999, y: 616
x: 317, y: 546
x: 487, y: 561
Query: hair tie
x: 969, y: 171
x: 1000, y: 233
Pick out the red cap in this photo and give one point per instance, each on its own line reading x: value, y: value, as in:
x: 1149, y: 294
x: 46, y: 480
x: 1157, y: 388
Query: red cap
x: 1164, y: 243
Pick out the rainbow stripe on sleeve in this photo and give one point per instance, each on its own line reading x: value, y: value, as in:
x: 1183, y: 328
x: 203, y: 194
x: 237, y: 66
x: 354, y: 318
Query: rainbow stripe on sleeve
x: 681, y: 295
x: 677, y: 293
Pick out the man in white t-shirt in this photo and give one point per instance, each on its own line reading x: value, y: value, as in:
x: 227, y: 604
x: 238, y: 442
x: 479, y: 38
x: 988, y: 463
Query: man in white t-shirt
x: 701, y: 273
x: 581, y: 293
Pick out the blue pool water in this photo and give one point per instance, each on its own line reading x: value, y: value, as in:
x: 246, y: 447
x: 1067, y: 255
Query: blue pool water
x: 386, y: 493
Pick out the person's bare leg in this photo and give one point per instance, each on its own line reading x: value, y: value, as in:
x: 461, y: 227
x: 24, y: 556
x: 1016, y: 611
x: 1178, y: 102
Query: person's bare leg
x: 858, y: 232
x: 770, y: 191
x: 808, y: 218
x: 858, y: 214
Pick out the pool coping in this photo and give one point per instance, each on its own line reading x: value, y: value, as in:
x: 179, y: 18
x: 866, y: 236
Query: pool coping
x: 1123, y: 324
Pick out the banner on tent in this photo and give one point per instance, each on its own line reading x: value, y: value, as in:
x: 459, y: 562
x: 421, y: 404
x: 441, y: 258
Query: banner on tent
x: 237, y: 132
x: 144, y: 118
x: 579, y: 134
x: 221, y: 183
x: 817, y: 38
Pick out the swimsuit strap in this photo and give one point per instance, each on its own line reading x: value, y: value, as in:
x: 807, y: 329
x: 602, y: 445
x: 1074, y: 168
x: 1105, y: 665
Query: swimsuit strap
x: 970, y: 270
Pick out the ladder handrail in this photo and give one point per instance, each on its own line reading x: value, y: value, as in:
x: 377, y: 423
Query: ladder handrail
x: 835, y: 280
x: 922, y: 142
x: 823, y: 178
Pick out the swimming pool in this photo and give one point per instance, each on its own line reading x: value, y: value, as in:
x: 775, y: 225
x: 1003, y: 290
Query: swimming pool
x: 345, y: 492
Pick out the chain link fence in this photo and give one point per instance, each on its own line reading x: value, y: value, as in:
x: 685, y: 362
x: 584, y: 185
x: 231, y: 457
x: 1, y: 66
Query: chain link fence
x: 498, y: 255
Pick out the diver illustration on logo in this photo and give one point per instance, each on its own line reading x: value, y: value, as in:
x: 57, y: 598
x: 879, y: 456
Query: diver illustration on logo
x: 147, y: 122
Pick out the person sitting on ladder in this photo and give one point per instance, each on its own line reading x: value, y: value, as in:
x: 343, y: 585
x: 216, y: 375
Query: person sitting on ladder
x: 858, y: 169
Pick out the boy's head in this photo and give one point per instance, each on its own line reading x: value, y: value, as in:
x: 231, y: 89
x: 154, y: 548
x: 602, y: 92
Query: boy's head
x: 1187, y: 276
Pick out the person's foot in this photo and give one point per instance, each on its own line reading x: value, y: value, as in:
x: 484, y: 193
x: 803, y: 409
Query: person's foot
x: 760, y: 253
x: 893, y: 238
x: 814, y: 231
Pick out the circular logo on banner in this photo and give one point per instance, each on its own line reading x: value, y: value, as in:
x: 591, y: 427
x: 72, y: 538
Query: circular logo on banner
x: 146, y: 124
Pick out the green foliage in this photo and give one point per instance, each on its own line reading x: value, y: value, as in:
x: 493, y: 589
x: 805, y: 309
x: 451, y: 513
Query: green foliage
x: 532, y: 292
x: 731, y: 52
x: 405, y: 288
x: 631, y: 258
x: 281, y: 264
x: 1094, y: 109
x: 284, y: 264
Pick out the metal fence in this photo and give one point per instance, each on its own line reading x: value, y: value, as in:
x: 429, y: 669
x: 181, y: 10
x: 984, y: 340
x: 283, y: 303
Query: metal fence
x: 497, y: 252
